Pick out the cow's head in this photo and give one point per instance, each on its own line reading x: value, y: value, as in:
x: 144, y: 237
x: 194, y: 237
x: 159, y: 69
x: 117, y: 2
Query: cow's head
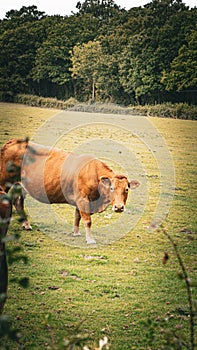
x: 118, y: 188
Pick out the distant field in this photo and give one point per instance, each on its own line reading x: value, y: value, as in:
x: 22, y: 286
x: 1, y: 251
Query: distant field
x: 119, y: 289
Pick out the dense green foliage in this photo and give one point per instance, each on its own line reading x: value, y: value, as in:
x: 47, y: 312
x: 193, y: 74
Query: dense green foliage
x: 143, y: 55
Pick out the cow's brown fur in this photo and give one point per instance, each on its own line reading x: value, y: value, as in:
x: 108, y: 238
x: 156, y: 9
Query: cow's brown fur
x: 11, y: 156
x: 56, y: 176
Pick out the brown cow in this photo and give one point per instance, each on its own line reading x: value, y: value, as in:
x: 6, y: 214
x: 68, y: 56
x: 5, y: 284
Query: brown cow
x: 52, y: 175
x: 11, y: 157
x: 5, y: 215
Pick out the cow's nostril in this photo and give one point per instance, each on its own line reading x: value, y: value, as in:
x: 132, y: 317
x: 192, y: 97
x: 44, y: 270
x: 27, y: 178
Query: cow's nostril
x: 119, y: 208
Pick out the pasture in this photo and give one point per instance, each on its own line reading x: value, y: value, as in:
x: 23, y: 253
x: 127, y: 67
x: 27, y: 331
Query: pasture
x: 121, y: 288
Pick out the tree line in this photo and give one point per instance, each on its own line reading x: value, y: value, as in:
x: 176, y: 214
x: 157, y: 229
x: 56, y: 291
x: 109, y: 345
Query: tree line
x: 102, y: 53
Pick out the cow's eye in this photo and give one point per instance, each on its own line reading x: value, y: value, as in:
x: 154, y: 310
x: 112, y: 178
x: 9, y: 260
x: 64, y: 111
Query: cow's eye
x: 112, y: 188
x: 127, y: 190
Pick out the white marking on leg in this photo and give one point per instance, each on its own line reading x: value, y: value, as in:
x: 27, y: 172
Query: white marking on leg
x: 89, y: 238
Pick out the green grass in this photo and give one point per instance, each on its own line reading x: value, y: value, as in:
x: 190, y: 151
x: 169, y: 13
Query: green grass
x: 121, y: 290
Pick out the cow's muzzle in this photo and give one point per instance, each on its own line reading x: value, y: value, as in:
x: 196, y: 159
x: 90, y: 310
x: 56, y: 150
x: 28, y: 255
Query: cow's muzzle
x: 118, y: 208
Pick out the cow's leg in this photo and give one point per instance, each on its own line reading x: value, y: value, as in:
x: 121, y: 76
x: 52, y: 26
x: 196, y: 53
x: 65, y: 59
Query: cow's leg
x: 18, y: 201
x: 87, y: 223
x: 76, y: 223
x: 25, y: 223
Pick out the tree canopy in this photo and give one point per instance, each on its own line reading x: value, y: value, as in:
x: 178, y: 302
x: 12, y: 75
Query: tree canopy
x: 102, y: 52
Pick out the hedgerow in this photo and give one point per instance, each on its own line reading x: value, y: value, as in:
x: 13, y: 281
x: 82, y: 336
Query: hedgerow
x: 47, y: 102
x: 165, y: 110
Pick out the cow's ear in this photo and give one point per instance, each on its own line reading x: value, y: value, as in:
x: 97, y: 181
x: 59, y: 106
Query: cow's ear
x: 105, y: 181
x: 133, y: 184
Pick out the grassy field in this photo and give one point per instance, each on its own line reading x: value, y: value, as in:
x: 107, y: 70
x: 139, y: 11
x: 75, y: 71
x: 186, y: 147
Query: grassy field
x: 119, y: 289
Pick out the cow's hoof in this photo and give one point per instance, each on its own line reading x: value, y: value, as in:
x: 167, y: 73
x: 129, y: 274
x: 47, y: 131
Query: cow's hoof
x: 26, y: 226
x: 90, y: 241
x: 76, y: 234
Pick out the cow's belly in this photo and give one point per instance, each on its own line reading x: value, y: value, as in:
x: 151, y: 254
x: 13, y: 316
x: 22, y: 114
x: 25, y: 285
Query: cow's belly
x: 46, y: 189
x: 40, y: 192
